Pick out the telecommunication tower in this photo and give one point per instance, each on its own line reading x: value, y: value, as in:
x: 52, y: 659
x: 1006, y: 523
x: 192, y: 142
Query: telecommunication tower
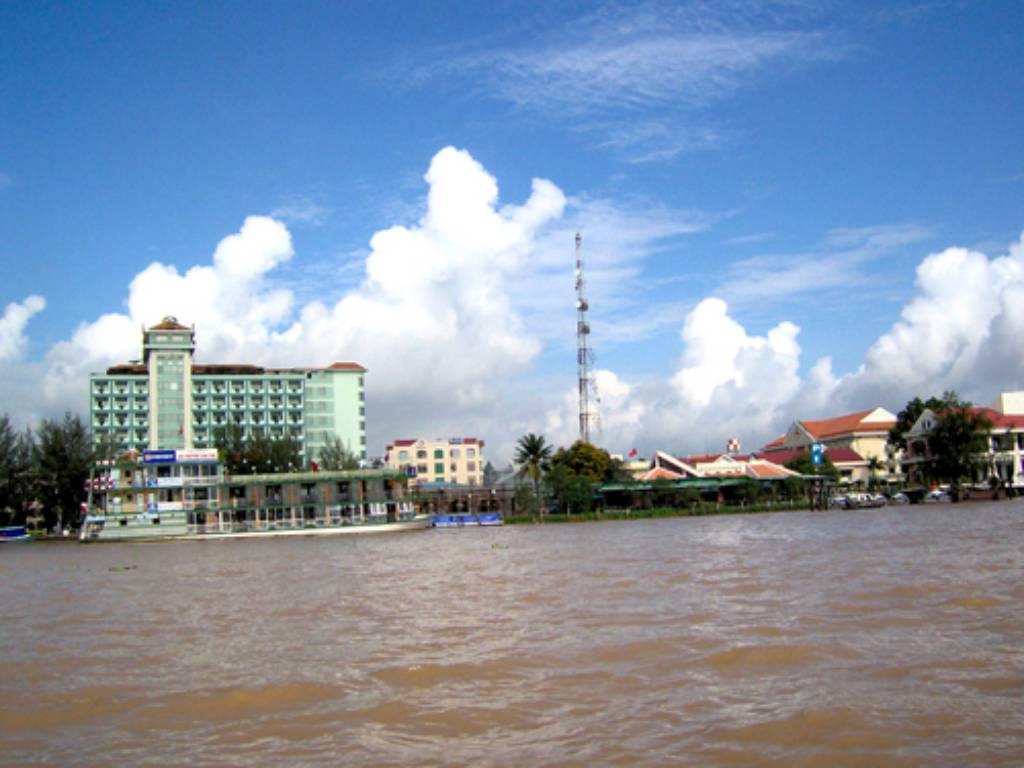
x: 584, y: 355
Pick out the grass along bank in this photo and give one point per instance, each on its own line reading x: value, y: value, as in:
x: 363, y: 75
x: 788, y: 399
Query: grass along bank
x: 699, y: 510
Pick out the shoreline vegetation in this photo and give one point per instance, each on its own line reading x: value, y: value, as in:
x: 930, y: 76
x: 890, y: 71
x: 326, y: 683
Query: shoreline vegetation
x: 699, y: 510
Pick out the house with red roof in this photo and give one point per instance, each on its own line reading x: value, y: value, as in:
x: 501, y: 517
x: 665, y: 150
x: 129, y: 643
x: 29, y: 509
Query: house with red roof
x: 717, y: 466
x: 1003, y: 461
x: 856, y: 443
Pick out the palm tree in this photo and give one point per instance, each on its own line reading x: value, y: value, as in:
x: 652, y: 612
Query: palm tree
x: 875, y: 465
x: 532, y: 456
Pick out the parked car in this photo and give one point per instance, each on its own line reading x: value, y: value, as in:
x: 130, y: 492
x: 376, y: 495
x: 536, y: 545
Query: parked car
x: 937, y: 497
x: 899, y: 498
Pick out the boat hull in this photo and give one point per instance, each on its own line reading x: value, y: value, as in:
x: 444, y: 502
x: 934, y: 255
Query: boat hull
x: 466, y: 520
x: 13, y: 534
x: 417, y: 523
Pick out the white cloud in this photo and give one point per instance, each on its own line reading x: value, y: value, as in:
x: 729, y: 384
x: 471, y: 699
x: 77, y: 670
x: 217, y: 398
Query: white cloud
x: 961, y: 331
x: 12, y: 326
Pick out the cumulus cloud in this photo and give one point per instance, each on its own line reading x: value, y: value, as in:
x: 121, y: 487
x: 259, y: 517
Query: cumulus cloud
x: 12, y: 326
x: 962, y: 330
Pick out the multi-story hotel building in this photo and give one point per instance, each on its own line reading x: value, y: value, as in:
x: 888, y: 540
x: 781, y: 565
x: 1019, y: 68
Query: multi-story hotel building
x: 456, y: 460
x: 167, y: 401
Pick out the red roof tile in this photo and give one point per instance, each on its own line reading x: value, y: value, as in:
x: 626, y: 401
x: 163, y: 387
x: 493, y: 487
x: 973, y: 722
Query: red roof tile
x: 169, y: 324
x: 843, y: 425
x: 836, y: 455
x: 999, y: 420
x: 346, y: 367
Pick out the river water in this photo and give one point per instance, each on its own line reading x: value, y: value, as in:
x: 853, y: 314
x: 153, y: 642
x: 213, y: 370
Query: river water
x: 873, y: 637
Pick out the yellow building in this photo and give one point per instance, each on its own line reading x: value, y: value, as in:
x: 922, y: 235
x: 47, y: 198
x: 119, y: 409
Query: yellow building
x: 455, y: 460
x: 854, y: 442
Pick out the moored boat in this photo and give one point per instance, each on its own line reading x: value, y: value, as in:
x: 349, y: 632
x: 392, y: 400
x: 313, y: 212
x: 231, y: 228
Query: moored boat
x: 182, y: 494
x: 464, y: 519
x: 13, y: 533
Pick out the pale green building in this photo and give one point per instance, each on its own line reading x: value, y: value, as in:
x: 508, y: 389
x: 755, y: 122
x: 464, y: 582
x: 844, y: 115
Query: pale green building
x: 167, y: 401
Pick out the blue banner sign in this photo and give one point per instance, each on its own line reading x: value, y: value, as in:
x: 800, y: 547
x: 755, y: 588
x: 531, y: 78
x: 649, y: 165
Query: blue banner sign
x: 158, y: 457
x: 817, y: 453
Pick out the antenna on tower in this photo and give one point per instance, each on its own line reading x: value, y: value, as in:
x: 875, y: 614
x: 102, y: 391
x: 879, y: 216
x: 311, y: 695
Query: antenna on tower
x: 584, y: 355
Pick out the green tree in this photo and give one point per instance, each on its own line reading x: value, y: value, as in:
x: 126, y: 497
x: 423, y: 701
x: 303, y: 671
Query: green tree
x: 958, y: 441
x: 875, y: 465
x: 63, y: 457
x: 490, y: 474
x: 532, y: 457
x: 258, y: 454
x: 336, y: 455
x: 663, y: 492
x: 267, y: 455
x: 747, y: 491
x: 906, y: 419
x: 586, y: 460
x: 803, y: 464
x: 572, y: 493
x: 229, y: 441
x: 17, y: 458
x: 794, y: 488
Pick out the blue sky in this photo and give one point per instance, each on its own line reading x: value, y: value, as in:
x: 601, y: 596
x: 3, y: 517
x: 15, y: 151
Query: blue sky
x: 796, y: 164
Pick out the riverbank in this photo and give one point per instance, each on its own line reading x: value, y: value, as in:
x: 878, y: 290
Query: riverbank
x: 701, y: 510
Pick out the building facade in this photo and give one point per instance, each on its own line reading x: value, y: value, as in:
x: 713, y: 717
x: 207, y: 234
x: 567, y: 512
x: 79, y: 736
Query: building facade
x: 167, y: 401
x: 455, y: 461
x: 856, y: 443
x: 1001, y: 464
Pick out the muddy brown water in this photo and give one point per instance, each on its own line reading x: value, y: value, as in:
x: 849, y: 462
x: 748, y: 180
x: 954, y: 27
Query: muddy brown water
x: 873, y: 637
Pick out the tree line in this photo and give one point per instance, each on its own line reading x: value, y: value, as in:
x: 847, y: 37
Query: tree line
x: 43, y: 471
x: 565, y: 480
x: 952, y: 451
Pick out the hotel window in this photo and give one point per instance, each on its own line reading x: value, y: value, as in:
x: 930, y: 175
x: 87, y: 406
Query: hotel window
x: 453, y: 468
x: 455, y: 453
x: 438, y: 453
x: 403, y: 456
x: 471, y: 466
x: 470, y: 453
x: 421, y: 469
x: 439, y: 468
x: 421, y: 454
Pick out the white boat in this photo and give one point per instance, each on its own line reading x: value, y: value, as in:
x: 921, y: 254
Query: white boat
x: 183, y: 495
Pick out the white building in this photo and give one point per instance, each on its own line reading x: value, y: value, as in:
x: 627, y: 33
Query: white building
x: 1004, y: 459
